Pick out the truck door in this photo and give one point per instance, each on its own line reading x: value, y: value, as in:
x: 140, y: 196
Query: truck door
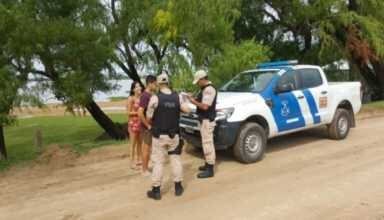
x: 315, y: 91
x: 286, y: 107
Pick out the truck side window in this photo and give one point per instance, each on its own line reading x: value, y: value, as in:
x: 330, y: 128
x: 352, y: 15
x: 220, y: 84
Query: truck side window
x: 310, y: 78
x: 291, y: 78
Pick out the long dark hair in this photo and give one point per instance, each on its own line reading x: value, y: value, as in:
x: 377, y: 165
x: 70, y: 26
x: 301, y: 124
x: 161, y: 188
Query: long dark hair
x: 133, y: 85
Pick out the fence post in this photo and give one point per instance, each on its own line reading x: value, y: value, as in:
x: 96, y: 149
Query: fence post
x: 39, y: 140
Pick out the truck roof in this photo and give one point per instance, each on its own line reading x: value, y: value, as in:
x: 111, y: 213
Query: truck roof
x: 280, y: 65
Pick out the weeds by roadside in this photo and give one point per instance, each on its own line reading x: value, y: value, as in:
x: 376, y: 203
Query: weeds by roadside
x: 78, y: 132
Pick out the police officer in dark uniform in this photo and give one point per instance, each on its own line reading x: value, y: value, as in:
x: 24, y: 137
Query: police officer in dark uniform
x: 164, y: 112
x: 206, y: 110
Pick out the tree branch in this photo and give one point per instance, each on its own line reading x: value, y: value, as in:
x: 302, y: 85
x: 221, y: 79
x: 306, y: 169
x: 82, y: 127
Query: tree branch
x: 122, y: 52
x: 278, y: 20
x: 137, y: 52
x: 155, y: 49
x: 164, y: 50
x: 114, y: 13
x: 133, y: 75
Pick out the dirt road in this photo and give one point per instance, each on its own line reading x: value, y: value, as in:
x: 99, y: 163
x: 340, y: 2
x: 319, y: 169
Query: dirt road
x: 303, y: 176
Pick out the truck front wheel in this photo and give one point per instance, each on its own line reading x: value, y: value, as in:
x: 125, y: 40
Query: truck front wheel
x: 251, y: 143
x: 339, y: 128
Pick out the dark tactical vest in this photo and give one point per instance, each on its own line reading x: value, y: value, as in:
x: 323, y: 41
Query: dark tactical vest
x: 210, y: 113
x: 167, y: 115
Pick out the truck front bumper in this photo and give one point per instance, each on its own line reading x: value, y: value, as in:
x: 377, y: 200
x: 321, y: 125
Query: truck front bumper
x: 225, y: 133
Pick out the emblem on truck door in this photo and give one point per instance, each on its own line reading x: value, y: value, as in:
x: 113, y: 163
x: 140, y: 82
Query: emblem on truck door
x: 285, y: 109
x: 323, y: 102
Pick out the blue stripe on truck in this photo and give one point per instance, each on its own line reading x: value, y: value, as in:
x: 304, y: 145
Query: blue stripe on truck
x: 312, y: 106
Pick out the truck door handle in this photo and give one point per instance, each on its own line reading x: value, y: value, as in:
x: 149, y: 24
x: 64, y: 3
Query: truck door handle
x: 324, y: 92
x: 300, y: 97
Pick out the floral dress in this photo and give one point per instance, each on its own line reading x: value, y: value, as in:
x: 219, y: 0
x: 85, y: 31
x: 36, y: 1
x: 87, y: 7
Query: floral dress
x: 134, y: 124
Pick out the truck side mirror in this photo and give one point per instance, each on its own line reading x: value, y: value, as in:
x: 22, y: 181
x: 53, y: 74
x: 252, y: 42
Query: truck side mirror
x: 286, y: 87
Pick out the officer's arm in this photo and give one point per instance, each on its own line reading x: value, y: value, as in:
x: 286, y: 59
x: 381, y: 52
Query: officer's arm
x: 208, y: 97
x: 152, y: 105
x: 185, y: 108
x: 199, y: 105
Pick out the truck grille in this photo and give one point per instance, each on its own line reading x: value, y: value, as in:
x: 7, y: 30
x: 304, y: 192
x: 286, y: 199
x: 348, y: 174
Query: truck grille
x: 190, y: 122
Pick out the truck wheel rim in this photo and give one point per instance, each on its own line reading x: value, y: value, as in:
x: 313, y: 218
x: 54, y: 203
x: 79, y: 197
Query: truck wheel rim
x: 253, y: 143
x: 343, y: 125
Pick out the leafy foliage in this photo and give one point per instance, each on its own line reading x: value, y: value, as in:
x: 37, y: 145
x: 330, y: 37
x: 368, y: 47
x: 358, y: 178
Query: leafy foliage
x: 9, y: 85
x: 320, y: 32
x: 63, y: 43
x: 203, y: 27
x: 237, y: 58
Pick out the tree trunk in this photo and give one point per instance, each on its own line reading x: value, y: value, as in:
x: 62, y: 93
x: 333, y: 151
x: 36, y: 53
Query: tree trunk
x: 374, y: 75
x: 378, y: 67
x: 371, y: 79
x: 105, y: 122
x: 3, y: 150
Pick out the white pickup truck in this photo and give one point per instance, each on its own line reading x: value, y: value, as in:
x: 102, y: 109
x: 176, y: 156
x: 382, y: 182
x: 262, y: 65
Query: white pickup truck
x: 275, y: 99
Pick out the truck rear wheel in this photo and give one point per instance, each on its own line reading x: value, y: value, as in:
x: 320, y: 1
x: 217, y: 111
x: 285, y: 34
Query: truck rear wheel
x: 251, y: 143
x: 340, y: 126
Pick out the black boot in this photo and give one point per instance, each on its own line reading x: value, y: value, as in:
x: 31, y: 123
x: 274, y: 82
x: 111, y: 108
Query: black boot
x: 209, y: 172
x: 203, y: 167
x: 154, y: 193
x: 178, y: 189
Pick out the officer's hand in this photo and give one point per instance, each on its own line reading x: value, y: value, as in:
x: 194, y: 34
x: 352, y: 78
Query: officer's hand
x: 191, y: 99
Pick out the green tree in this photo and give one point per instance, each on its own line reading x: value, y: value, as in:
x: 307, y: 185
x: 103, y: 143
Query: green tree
x: 320, y: 32
x: 179, y: 36
x: 9, y: 84
x: 144, y: 44
x: 64, y: 44
x: 363, y: 37
x: 236, y: 58
x: 203, y: 28
x: 153, y: 35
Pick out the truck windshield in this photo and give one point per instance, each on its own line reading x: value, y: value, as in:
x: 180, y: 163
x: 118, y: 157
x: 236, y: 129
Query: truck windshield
x: 249, y: 82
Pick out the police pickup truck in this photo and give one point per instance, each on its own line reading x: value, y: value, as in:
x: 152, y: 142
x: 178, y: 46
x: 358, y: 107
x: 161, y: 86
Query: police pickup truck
x: 275, y: 99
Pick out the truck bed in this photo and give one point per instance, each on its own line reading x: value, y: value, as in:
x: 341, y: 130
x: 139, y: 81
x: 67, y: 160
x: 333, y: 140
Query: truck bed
x: 352, y: 90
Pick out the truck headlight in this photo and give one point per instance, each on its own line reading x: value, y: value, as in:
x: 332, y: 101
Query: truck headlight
x: 225, y: 113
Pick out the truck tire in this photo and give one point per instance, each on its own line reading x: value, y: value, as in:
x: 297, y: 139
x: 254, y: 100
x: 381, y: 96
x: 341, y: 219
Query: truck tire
x: 250, y: 144
x: 340, y: 126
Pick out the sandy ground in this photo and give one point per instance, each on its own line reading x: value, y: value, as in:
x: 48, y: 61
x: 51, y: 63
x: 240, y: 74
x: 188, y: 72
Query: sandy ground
x: 303, y: 176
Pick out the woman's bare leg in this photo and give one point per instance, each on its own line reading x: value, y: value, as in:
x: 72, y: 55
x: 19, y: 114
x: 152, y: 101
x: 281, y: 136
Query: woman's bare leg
x: 133, y: 140
x: 139, y: 149
x: 145, y: 156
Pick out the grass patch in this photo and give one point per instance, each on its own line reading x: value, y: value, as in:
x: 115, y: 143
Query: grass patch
x: 79, y: 132
x: 375, y: 105
x: 117, y: 98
